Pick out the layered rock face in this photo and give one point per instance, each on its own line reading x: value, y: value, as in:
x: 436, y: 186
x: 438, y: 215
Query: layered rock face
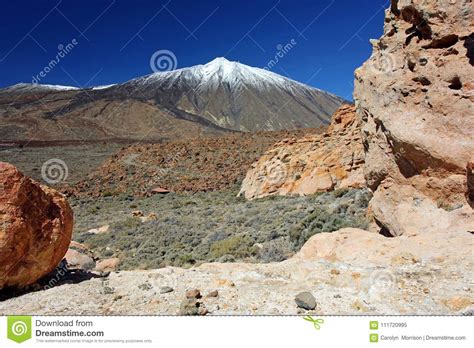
x: 35, y: 230
x: 315, y: 163
x: 415, y: 97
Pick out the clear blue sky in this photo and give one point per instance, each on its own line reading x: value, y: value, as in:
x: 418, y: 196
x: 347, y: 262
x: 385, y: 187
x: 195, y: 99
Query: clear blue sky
x: 115, y: 39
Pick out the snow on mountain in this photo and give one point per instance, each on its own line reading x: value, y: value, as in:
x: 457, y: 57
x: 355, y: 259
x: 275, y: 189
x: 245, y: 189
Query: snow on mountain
x: 221, y: 70
x: 35, y: 87
x: 102, y: 87
x: 220, y: 95
x: 236, y: 96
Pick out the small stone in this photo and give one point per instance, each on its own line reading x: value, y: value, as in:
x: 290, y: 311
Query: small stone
x: 203, y: 311
x: 166, y: 289
x: 426, y: 290
x: 468, y: 311
x: 214, y: 293
x: 108, y: 290
x: 225, y: 282
x: 189, y: 307
x: 335, y: 272
x: 195, y: 293
x: 145, y: 286
x: 355, y: 275
x: 305, y: 300
x: 107, y: 265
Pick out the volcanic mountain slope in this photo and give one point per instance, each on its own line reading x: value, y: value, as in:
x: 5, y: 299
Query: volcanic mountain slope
x: 214, y: 98
x: 44, y: 113
x: 237, y: 97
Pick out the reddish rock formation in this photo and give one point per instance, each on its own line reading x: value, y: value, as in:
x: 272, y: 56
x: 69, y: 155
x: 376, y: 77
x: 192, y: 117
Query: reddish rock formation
x: 196, y: 165
x: 315, y: 163
x: 403, y: 210
x: 415, y: 97
x: 36, y: 227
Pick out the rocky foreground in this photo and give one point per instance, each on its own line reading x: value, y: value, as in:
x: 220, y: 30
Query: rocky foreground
x: 426, y: 274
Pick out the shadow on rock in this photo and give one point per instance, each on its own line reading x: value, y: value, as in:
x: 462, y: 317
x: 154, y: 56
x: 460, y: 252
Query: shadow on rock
x: 63, y: 274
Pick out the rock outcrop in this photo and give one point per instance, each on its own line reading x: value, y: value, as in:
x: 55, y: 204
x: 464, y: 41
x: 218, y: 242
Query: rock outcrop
x: 315, y: 163
x: 415, y: 97
x: 35, y: 231
x: 403, y: 210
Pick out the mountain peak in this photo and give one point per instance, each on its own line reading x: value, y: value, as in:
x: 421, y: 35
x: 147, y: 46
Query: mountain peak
x: 219, y: 61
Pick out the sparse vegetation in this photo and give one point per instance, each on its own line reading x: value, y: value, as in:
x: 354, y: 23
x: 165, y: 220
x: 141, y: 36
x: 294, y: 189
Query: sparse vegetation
x: 213, y: 226
x: 239, y: 246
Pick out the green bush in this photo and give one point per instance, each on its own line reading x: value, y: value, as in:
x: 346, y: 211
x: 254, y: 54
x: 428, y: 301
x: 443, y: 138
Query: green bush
x: 239, y: 246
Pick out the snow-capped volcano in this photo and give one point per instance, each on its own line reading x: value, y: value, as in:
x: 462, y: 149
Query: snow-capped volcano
x: 213, y: 98
x: 221, y: 70
x: 236, y: 96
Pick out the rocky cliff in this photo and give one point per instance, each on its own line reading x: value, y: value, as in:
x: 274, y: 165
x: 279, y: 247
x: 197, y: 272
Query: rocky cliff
x: 414, y: 100
x: 315, y: 163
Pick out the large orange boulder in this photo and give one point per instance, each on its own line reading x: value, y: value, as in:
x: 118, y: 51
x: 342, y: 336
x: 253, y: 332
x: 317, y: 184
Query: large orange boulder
x: 35, y: 228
